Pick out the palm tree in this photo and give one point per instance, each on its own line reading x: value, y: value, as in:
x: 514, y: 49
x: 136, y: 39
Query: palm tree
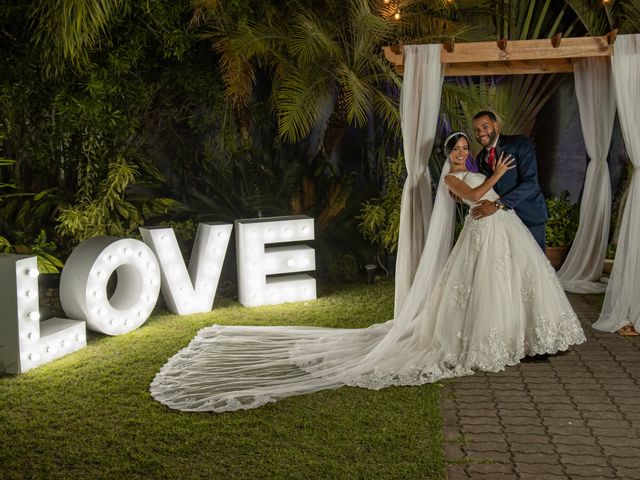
x: 325, y: 63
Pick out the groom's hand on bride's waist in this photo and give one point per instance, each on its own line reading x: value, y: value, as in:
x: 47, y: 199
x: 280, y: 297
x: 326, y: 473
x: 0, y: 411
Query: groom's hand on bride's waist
x: 483, y: 208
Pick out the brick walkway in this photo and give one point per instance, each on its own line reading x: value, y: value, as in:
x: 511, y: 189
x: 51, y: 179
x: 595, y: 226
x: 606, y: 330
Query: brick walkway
x: 574, y: 415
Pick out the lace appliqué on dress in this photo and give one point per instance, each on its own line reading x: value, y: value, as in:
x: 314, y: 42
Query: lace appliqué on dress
x: 477, y: 234
x: 463, y: 293
x: 502, y: 264
x: 528, y: 294
x: 553, y: 334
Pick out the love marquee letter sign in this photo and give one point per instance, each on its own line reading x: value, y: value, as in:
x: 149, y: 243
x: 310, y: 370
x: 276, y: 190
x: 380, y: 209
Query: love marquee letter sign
x: 270, y: 264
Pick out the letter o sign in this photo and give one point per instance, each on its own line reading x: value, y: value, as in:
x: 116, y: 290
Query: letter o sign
x: 83, y: 284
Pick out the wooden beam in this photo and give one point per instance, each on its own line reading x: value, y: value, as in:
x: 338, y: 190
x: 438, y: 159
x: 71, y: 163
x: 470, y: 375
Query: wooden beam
x: 518, y: 67
x: 514, y: 57
x: 577, y: 47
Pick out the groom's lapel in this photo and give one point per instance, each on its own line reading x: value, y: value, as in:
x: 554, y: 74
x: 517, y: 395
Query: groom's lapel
x: 502, y: 141
x: 483, y: 167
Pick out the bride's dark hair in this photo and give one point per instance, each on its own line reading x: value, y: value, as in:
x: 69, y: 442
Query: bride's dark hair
x: 452, y: 139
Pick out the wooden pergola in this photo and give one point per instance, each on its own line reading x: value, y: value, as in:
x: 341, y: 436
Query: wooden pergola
x: 555, y: 55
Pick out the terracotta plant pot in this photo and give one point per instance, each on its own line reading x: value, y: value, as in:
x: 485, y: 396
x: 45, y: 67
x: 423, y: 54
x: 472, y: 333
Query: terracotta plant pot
x: 556, y: 255
x: 608, y: 265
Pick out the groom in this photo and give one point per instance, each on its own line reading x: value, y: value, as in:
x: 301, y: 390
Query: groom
x: 518, y: 188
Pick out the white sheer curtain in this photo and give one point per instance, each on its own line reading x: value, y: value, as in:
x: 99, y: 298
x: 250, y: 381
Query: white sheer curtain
x: 582, y: 269
x: 419, y: 109
x: 622, y: 301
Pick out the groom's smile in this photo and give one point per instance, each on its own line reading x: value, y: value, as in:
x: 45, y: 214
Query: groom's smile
x: 485, y: 130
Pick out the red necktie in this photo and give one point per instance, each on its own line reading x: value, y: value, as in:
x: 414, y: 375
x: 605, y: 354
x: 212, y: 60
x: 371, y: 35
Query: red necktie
x: 492, y: 154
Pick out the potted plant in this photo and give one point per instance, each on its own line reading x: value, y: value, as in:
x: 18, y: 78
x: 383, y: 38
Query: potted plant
x: 561, y: 227
x: 380, y: 216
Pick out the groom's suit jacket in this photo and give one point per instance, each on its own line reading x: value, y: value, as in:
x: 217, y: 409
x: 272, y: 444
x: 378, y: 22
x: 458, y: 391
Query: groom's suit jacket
x: 519, y: 188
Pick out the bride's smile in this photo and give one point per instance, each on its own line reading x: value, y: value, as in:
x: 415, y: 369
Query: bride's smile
x: 459, y: 155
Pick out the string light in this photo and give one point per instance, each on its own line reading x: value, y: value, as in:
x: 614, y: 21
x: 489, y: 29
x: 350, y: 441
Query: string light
x: 397, y: 15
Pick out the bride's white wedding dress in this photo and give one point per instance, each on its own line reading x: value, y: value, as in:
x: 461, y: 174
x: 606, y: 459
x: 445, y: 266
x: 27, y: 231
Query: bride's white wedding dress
x: 496, y: 300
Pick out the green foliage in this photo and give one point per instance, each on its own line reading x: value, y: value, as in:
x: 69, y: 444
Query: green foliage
x: 325, y: 65
x: 594, y: 16
x: 380, y: 216
x: 93, y: 147
x: 67, y: 30
x: 106, y: 210
x: 40, y: 246
x: 563, y: 220
x: 45, y: 250
x: 3, y: 163
x: 627, y: 14
x: 5, y: 245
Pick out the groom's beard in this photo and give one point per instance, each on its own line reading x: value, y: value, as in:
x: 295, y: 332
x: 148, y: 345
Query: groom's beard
x: 492, y: 141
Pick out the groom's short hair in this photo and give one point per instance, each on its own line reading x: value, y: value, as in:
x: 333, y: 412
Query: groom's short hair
x: 487, y: 113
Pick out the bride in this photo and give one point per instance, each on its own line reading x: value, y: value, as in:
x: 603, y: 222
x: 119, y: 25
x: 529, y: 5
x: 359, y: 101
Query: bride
x: 493, y: 301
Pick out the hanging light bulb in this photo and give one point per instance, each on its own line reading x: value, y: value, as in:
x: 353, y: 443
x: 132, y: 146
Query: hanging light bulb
x: 397, y: 15
x: 387, y: 2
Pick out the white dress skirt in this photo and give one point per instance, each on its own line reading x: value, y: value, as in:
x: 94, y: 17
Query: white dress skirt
x: 497, y: 300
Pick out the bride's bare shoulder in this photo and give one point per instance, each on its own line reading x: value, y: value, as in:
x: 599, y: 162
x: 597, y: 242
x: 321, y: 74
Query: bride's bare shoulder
x: 460, y: 175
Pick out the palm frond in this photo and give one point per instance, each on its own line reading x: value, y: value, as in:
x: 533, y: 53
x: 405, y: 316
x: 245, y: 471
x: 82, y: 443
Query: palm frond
x: 356, y: 95
x: 386, y: 107
x: 628, y: 14
x: 460, y: 102
x: 309, y: 40
x: 592, y: 15
x: 300, y: 102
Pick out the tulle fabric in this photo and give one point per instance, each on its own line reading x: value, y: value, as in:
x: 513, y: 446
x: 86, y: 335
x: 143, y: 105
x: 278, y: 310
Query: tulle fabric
x: 493, y: 301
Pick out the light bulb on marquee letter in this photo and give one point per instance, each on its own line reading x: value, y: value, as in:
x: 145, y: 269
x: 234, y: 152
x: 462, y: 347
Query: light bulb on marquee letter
x: 83, y: 284
x: 258, y: 264
x: 26, y: 342
x: 193, y: 290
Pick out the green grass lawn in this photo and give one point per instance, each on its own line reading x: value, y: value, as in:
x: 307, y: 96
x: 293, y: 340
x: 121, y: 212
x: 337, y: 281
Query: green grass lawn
x: 90, y: 415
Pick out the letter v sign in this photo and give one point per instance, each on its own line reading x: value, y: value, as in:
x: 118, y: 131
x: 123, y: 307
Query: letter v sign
x: 193, y: 290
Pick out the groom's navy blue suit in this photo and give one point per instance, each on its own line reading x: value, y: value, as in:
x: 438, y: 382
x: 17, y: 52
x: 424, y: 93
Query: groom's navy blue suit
x: 519, y: 188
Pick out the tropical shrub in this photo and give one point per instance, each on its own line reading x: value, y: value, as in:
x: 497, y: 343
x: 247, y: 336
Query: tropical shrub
x: 562, y: 224
x: 380, y: 216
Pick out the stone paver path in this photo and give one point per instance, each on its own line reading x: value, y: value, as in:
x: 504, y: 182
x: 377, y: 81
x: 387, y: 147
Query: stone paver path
x: 569, y: 416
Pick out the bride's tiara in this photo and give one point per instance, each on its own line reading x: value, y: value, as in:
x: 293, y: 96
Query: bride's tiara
x: 453, y: 135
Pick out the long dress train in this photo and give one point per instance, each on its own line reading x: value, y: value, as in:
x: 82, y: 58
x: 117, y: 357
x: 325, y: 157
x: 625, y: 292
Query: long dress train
x: 497, y: 300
